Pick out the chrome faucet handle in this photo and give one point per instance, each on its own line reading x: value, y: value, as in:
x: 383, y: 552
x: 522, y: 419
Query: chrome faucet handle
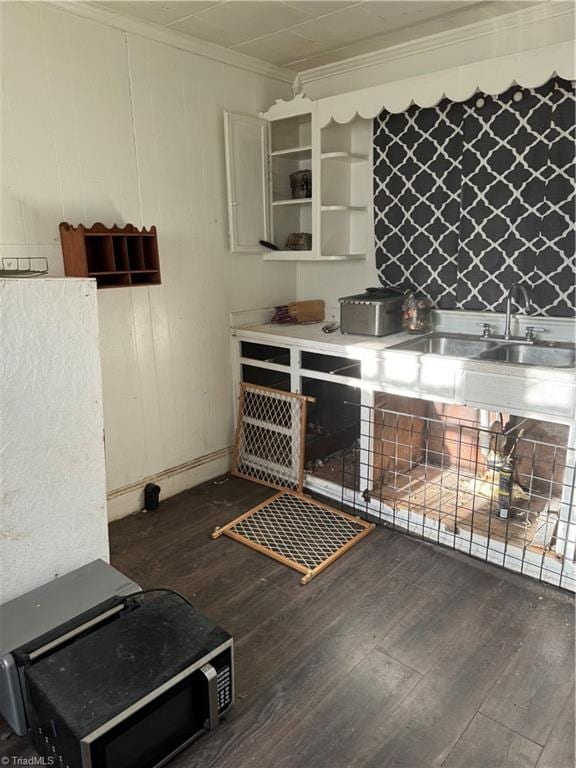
x: 485, y: 330
x: 531, y: 331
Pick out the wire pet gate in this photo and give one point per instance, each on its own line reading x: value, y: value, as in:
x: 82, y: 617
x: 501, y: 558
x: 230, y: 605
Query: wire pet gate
x: 270, y: 433
x: 269, y: 449
x: 298, y: 531
x: 433, y: 477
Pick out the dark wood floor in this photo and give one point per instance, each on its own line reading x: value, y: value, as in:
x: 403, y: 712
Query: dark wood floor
x: 400, y: 654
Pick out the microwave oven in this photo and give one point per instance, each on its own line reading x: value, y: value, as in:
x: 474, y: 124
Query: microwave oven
x: 133, y: 692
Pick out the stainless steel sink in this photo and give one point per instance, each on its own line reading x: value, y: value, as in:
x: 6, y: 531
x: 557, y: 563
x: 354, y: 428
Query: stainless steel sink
x: 497, y: 350
x: 451, y: 345
x: 554, y: 356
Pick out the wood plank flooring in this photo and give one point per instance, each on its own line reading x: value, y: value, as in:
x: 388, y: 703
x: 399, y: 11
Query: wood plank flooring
x: 401, y: 654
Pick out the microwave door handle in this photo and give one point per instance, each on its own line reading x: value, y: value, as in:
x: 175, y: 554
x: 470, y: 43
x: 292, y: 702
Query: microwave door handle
x: 212, y: 679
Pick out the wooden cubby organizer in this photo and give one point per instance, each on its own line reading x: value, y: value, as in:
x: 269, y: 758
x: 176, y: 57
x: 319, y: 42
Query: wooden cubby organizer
x: 115, y: 256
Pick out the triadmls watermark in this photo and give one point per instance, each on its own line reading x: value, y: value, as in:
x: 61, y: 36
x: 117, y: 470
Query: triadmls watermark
x: 34, y: 760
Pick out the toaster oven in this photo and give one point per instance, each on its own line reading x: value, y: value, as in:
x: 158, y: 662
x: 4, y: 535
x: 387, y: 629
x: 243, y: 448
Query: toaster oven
x: 376, y: 312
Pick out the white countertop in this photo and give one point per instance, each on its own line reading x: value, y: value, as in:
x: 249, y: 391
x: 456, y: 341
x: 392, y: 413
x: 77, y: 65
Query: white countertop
x: 367, y: 347
x: 313, y: 335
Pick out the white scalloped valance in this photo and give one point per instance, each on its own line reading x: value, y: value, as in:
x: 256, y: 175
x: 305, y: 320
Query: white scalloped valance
x: 529, y: 69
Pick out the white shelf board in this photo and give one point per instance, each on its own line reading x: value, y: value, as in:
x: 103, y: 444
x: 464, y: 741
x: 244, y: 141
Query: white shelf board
x: 310, y: 256
x: 290, y: 256
x: 293, y: 151
x: 295, y: 201
x: 344, y: 207
x: 345, y: 157
x: 341, y: 256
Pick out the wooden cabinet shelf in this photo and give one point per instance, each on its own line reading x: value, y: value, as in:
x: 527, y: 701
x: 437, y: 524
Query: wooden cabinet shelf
x: 115, y: 256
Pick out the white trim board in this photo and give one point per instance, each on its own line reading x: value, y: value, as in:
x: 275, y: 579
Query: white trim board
x: 528, y: 69
x: 534, y: 27
x: 173, y: 38
x: 128, y: 499
x: 478, y: 29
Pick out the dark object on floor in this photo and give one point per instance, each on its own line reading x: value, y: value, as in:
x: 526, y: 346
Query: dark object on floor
x: 298, y: 531
x: 132, y: 692
x: 151, y: 497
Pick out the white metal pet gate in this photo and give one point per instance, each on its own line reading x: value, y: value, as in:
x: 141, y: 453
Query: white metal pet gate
x: 446, y: 480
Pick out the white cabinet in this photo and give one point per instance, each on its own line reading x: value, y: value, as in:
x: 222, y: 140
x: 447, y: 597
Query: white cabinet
x: 261, y: 156
x: 247, y: 180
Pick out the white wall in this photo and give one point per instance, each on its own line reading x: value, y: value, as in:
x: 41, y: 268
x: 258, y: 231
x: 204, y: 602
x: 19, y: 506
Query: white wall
x: 52, y: 479
x: 99, y: 125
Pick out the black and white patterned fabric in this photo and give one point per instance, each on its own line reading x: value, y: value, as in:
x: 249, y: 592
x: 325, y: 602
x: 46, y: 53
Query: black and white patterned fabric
x: 471, y: 197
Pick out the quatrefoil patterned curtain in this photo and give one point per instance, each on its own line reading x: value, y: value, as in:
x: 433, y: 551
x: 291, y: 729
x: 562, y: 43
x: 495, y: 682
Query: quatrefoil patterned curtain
x: 471, y: 197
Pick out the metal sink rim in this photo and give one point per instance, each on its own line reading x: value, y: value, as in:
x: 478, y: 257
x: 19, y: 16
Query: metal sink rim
x: 487, y: 355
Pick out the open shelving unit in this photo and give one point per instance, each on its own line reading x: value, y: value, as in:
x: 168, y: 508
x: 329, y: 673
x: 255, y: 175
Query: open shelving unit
x: 345, y: 189
x: 290, y: 151
x: 115, y: 256
x: 262, y: 153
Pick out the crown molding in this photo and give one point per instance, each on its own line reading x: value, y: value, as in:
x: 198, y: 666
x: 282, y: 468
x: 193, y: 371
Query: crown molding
x: 517, y: 19
x: 86, y: 10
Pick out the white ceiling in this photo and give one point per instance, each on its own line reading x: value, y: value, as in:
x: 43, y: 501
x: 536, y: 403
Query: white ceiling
x: 299, y: 34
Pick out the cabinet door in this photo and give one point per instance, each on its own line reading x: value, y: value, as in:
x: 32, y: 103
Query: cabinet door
x: 247, y: 179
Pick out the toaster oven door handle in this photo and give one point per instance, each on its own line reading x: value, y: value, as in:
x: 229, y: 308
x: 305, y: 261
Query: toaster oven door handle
x: 212, y: 679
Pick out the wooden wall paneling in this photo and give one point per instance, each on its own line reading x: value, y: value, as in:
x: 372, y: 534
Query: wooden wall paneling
x: 61, y: 86
x: 102, y: 110
x: 125, y: 419
x: 11, y: 214
x: 26, y: 94
x: 105, y: 125
x: 156, y: 109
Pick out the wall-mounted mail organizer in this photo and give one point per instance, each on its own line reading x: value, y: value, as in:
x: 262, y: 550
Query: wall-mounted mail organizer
x: 115, y: 256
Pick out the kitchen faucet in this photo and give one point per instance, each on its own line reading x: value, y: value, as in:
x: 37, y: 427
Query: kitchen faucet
x: 527, y: 305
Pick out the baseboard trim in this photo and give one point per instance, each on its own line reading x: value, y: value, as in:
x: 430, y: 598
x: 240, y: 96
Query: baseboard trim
x: 138, y: 485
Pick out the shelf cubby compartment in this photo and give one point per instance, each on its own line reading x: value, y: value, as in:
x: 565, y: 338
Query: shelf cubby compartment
x: 135, y: 253
x: 282, y: 168
x: 115, y: 256
x: 289, y: 218
x: 100, y: 255
x: 291, y: 134
x: 120, y: 249
x: 112, y: 280
x: 345, y: 233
